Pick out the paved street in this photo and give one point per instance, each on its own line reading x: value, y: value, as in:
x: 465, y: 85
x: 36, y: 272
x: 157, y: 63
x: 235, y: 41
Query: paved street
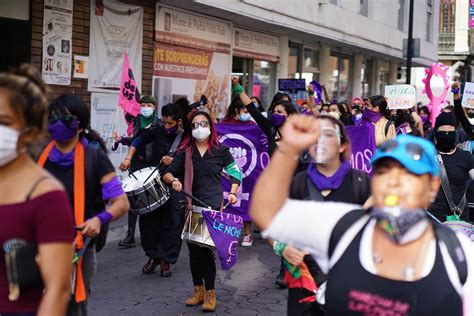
x: 121, y: 288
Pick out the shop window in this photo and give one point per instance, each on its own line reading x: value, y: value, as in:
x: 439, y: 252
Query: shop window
x: 310, y: 65
x: 339, y: 85
x: 294, y: 61
x: 365, y: 77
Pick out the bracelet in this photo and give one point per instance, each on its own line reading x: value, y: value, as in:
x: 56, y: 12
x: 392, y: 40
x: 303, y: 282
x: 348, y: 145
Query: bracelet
x: 104, y: 217
x: 278, y: 247
x: 294, y: 157
x: 232, y: 193
x: 237, y: 89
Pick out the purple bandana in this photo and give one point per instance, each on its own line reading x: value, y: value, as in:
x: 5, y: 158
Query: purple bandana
x: 277, y: 119
x: 371, y: 116
x: 61, y: 132
x: 64, y: 160
x: 171, y: 130
x: 328, y: 183
x: 225, y: 230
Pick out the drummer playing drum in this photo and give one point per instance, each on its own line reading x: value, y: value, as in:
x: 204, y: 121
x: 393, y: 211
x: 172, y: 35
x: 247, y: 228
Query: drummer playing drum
x: 201, y: 158
x: 160, y: 230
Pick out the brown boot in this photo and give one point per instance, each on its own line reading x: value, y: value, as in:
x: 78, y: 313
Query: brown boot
x: 210, y: 301
x: 198, y: 296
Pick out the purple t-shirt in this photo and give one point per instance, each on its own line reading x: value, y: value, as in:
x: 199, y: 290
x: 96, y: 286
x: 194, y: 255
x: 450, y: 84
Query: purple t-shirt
x: 44, y: 219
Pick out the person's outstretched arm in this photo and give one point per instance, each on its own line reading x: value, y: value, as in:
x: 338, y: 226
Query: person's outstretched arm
x: 272, y: 188
x: 459, y: 111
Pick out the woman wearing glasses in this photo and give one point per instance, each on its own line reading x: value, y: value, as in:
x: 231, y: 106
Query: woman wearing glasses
x: 389, y: 259
x: 89, y: 178
x: 202, y: 154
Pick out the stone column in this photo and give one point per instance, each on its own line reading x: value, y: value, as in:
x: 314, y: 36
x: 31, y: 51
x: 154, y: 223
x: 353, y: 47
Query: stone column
x: 393, y: 72
x: 356, y: 82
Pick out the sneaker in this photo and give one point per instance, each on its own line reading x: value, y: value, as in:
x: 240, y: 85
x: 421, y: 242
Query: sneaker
x: 247, y: 241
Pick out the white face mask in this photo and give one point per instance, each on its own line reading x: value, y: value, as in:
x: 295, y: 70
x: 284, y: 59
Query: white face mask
x: 201, y: 133
x: 358, y: 116
x: 8, y: 143
x: 335, y: 114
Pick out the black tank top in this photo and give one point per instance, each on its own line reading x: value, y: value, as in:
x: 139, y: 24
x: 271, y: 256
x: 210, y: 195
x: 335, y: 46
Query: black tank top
x: 351, y: 290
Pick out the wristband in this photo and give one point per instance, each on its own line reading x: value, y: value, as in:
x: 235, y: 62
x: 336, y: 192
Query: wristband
x: 455, y: 90
x: 311, y: 93
x: 104, y: 217
x: 232, y: 193
x: 237, y: 89
x: 278, y: 247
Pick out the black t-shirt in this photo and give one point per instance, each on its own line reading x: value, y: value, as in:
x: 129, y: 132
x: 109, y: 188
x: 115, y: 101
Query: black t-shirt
x: 207, y: 173
x: 161, y: 143
x: 457, y: 167
x: 66, y: 177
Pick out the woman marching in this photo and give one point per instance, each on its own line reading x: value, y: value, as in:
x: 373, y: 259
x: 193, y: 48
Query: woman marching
x: 34, y: 206
x: 200, y: 161
x: 376, y: 114
x: 389, y: 258
x: 89, y: 178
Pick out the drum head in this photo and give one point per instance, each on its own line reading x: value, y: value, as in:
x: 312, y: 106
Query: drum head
x: 136, y: 180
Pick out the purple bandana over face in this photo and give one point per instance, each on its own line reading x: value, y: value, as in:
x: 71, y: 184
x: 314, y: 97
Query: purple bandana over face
x: 277, y: 119
x: 225, y: 230
x: 171, y: 130
x: 328, y: 183
x: 64, y: 160
x: 61, y: 132
x: 371, y: 116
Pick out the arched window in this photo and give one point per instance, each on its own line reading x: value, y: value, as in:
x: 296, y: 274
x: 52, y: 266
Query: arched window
x: 452, y: 16
x: 444, y: 18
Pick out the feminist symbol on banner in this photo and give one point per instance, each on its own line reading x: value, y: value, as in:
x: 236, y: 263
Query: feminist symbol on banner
x: 436, y: 69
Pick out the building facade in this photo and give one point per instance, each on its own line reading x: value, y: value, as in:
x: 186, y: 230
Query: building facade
x: 352, y: 47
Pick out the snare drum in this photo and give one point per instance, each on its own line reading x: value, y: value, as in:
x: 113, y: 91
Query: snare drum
x: 195, y: 228
x: 145, y: 197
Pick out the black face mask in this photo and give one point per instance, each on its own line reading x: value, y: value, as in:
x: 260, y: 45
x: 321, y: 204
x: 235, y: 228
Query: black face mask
x: 445, y: 141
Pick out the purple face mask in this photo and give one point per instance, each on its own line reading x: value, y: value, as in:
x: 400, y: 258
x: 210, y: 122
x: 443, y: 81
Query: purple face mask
x: 171, y: 130
x: 61, y: 132
x: 277, y: 120
x: 424, y: 119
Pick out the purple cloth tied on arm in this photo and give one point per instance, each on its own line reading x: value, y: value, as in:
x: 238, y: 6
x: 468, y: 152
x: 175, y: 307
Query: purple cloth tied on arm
x: 112, y: 189
x: 104, y: 217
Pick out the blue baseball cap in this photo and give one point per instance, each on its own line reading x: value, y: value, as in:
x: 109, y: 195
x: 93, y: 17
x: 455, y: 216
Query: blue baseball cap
x: 416, y: 154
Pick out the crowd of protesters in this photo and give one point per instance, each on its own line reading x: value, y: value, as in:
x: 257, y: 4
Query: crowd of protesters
x: 346, y: 239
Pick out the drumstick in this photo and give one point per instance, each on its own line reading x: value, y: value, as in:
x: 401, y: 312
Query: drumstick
x: 225, y: 206
x: 196, y: 199
x: 131, y: 174
x: 156, y: 169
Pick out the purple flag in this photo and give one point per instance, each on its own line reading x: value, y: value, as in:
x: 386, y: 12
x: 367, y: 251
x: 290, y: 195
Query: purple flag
x: 249, y: 147
x: 318, y: 90
x: 225, y: 230
x: 363, y: 146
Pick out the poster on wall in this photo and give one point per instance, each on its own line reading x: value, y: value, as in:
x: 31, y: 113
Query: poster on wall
x: 81, y: 67
x: 57, y: 42
x: 191, y: 58
x: 106, y: 118
x: 115, y: 28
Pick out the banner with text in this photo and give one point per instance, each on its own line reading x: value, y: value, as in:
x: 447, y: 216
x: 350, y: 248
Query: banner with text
x: 400, y: 96
x: 468, y: 95
x: 104, y: 107
x: 249, y: 147
x: 363, y: 146
x: 57, y: 42
x: 255, y: 45
x: 191, y: 58
x: 115, y: 28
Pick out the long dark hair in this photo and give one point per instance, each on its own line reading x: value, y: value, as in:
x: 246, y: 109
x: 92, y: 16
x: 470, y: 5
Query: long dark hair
x: 235, y: 105
x: 380, y: 102
x: 189, y: 141
x: 71, y: 104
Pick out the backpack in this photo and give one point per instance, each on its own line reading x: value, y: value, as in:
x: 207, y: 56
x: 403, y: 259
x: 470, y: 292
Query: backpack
x: 387, y: 127
x: 444, y: 234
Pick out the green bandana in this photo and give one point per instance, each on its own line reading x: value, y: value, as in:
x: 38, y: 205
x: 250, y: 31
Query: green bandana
x: 145, y: 121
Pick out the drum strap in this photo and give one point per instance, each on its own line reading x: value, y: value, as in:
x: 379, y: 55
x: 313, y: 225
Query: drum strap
x: 456, y: 209
x: 175, y: 144
x: 79, y: 207
x: 188, y: 175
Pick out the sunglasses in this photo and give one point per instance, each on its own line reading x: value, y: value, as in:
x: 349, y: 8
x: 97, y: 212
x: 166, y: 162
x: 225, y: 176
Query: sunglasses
x: 67, y: 119
x: 197, y: 124
x: 414, y: 151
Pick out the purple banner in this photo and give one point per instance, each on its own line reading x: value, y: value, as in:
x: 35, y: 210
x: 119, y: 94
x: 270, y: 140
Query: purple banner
x: 363, y: 146
x: 225, y: 230
x: 249, y: 147
x: 318, y: 91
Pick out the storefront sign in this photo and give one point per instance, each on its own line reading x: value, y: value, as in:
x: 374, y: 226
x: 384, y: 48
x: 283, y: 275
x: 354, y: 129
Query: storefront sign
x: 400, y: 96
x: 291, y: 85
x: 57, y: 42
x: 115, y: 28
x: 254, y: 45
x: 468, y: 95
x: 191, y: 58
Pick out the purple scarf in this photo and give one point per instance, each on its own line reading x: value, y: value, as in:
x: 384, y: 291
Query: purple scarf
x: 371, y: 116
x: 64, y: 160
x: 328, y: 183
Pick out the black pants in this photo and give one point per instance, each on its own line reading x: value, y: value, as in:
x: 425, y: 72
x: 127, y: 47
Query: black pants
x: 203, y: 267
x: 161, y: 229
